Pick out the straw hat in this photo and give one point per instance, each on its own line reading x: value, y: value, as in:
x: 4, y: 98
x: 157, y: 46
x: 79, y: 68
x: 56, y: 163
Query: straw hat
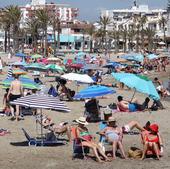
x: 82, y: 120
x: 111, y: 119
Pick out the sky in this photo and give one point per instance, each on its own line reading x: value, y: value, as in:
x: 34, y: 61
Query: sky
x: 90, y: 9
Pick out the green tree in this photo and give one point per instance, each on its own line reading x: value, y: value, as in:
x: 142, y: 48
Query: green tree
x: 163, y: 22
x: 91, y: 32
x: 150, y: 34
x: 104, y: 21
x: 142, y: 22
x: 5, y: 23
x: 43, y: 21
x: 13, y: 13
x: 32, y: 28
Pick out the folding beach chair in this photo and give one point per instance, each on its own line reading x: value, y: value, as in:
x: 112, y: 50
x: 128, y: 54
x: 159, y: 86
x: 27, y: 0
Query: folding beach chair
x: 78, y: 149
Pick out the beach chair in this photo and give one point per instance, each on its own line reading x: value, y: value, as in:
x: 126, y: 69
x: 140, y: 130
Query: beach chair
x: 48, y: 140
x: 78, y: 149
x: 92, y: 111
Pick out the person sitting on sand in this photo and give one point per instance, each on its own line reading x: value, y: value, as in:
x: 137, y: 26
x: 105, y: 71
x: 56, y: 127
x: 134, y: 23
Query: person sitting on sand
x: 131, y: 106
x: 114, y: 135
x: 87, y: 139
x: 160, y: 88
x: 152, y: 141
x: 59, y: 129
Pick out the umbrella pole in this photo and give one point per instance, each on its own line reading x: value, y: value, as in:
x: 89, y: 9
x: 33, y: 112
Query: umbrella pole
x: 41, y: 130
x: 133, y: 95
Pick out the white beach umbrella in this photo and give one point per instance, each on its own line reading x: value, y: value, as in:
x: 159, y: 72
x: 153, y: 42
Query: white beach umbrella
x: 83, y: 78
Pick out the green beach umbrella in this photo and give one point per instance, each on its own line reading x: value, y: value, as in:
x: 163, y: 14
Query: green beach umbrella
x: 36, y: 56
x: 54, y: 67
x: 27, y: 83
x: 36, y: 67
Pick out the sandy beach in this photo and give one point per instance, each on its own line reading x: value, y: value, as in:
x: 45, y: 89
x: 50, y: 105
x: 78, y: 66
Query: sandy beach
x: 16, y: 154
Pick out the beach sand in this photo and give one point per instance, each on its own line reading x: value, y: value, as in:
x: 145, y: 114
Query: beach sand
x: 16, y: 155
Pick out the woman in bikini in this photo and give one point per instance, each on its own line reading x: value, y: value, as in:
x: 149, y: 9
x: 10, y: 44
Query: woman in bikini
x: 152, y: 141
x: 87, y: 140
x: 114, y: 135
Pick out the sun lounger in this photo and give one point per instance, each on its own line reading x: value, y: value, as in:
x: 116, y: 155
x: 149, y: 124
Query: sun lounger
x: 45, y: 141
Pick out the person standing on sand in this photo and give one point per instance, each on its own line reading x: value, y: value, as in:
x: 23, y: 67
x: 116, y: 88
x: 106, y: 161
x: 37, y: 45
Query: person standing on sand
x: 15, y: 92
x: 1, y: 65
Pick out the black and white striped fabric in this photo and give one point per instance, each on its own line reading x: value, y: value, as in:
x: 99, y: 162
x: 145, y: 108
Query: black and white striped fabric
x: 41, y: 101
x: 9, y: 72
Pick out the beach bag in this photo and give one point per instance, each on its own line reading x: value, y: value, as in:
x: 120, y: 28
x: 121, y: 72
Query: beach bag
x: 52, y: 92
x: 135, y: 153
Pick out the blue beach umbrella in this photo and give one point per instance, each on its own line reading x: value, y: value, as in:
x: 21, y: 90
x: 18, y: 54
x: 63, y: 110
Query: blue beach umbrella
x: 81, y: 54
x: 94, y: 91
x: 134, y: 57
x: 20, y: 55
x: 152, y: 56
x: 140, y: 83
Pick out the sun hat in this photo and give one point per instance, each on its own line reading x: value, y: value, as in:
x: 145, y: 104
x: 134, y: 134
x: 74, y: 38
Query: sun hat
x: 112, y: 119
x: 154, y: 127
x: 82, y: 120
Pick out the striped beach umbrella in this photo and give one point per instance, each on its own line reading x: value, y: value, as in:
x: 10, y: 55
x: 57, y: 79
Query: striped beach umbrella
x: 41, y: 101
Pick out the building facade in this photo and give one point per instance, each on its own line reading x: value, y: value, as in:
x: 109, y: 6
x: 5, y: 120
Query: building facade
x: 125, y: 17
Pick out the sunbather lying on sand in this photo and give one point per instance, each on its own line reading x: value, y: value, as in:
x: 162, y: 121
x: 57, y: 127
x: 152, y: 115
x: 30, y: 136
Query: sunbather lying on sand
x: 132, y: 106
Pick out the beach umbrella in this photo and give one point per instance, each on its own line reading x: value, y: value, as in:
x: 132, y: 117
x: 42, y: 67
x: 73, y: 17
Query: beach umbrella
x: 112, y: 65
x: 119, y: 60
x: 41, y: 101
x: 94, y: 91
x: 134, y: 57
x: 18, y: 72
x: 83, y: 78
x: 152, y: 56
x: 27, y: 83
x: 19, y: 64
x: 140, y: 83
x: 53, y: 59
x: 54, y: 67
x: 91, y: 67
x: 36, y: 56
x: 80, y: 54
x: 36, y: 67
x: 20, y: 55
x: 76, y: 65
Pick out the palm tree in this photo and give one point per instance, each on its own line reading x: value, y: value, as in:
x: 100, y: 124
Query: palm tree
x: 43, y: 21
x: 150, y: 34
x: 163, y: 22
x: 5, y: 23
x: 104, y: 21
x: 136, y: 20
x: 91, y: 32
x: 13, y: 13
x: 32, y: 28
x: 142, y: 22
x: 124, y: 34
x: 130, y: 35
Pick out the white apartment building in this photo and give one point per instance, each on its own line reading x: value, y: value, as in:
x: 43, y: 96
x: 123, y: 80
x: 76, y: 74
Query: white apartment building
x: 125, y: 17
x: 62, y: 11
